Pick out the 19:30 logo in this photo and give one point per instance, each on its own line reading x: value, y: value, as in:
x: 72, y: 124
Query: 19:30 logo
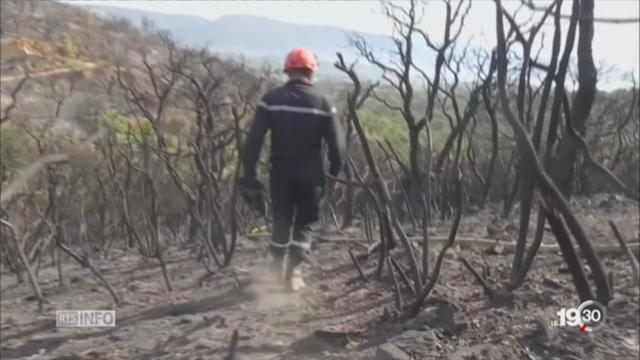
x: 588, y: 316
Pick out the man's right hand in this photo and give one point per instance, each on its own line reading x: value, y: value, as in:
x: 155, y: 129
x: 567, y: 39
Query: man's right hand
x: 250, y: 185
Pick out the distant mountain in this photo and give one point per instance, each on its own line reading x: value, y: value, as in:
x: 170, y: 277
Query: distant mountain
x: 248, y: 35
x: 257, y: 38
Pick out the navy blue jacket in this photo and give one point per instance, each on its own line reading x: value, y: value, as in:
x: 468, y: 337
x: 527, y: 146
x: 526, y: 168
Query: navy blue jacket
x: 299, y: 119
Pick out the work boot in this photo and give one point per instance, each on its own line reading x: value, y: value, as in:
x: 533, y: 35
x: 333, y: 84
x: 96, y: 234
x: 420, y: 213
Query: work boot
x: 294, y: 281
x: 293, y: 275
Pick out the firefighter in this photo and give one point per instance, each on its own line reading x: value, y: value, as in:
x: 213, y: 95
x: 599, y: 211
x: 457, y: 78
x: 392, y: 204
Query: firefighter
x: 300, y: 119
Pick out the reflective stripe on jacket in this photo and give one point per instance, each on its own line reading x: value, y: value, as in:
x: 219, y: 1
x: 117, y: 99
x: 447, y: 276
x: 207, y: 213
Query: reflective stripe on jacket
x: 299, y: 119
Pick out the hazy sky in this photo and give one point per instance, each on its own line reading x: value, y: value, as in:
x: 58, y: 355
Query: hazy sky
x: 615, y: 44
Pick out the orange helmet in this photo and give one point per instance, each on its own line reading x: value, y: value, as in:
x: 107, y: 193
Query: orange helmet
x: 299, y: 59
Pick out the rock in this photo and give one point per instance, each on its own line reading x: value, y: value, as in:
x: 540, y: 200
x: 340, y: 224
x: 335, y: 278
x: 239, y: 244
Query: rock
x: 326, y: 339
x: 546, y: 298
x: 421, y: 342
x: 115, y: 337
x: 543, y: 333
x: 204, y: 343
x: 511, y: 228
x: 92, y: 354
x: 442, y: 315
x: 221, y: 323
x: 139, y: 286
x: 389, y: 351
x: 310, y: 345
x: 147, y: 344
x: 611, y: 201
x: 335, y: 335
x: 353, y: 231
x: 69, y: 357
x: 389, y: 315
x: 605, y: 204
x: 620, y: 302
x: 419, y: 322
x: 474, y: 352
x: 449, y: 319
x: 31, y: 298
x: 552, y: 283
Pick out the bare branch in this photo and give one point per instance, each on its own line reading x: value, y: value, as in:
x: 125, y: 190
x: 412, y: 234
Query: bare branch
x: 530, y: 4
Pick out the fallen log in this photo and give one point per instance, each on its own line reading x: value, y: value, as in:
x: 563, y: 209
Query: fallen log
x: 476, y: 241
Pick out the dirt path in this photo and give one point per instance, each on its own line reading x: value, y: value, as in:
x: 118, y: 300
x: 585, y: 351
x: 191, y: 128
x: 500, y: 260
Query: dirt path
x: 198, y: 318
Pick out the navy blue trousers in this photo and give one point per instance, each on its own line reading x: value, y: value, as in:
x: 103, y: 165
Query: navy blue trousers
x: 295, y: 198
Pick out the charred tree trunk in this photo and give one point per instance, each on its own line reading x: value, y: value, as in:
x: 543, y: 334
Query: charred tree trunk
x: 564, y: 165
x: 526, y: 148
x: 389, y: 220
x: 19, y: 245
x: 486, y: 99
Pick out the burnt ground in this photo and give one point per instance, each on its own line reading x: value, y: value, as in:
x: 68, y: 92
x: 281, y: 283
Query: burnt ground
x: 337, y: 316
